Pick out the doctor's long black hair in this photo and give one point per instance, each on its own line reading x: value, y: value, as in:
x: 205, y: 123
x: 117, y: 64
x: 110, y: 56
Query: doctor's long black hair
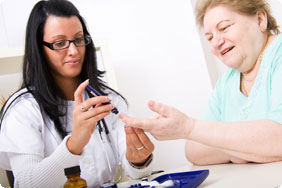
x: 37, y: 77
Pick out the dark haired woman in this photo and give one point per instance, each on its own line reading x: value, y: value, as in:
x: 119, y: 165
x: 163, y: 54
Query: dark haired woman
x: 50, y: 123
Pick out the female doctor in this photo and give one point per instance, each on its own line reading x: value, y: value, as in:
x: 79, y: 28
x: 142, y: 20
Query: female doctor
x: 52, y: 123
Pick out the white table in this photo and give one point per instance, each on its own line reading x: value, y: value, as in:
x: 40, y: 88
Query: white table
x: 233, y: 175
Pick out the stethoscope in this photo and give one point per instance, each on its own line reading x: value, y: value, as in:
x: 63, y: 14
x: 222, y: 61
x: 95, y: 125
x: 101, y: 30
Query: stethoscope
x: 102, y: 127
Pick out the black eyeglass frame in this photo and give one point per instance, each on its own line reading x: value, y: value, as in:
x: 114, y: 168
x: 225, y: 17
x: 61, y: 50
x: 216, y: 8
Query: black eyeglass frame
x: 87, y: 40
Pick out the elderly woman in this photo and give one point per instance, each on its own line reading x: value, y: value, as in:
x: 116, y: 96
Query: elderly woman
x: 243, y: 120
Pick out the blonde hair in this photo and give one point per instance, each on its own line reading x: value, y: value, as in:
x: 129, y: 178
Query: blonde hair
x: 249, y: 7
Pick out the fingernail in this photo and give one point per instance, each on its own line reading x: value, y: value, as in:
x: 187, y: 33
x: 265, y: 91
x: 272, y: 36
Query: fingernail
x: 87, y: 80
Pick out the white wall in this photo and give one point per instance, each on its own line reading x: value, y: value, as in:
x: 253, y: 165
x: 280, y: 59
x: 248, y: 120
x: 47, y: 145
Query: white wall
x: 157, y: 55
x: 155, y: 50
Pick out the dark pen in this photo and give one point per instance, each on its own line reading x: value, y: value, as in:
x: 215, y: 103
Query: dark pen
x: 95, y: 93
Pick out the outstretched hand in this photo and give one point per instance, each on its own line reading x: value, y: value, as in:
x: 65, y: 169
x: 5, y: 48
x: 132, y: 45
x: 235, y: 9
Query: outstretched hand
x: 169, y: 124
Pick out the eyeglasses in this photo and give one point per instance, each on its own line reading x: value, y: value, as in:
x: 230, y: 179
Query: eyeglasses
x: 63, y: 44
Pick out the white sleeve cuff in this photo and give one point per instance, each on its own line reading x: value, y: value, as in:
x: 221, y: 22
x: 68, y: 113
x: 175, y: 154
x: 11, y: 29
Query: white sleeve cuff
x: 66, y: 158
x: 138, y: 172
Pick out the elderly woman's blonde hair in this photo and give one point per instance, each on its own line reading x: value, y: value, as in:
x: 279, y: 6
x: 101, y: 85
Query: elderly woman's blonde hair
x: 248, y: 7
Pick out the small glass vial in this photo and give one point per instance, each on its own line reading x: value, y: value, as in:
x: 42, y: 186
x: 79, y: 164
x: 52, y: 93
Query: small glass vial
x: 74, y: 179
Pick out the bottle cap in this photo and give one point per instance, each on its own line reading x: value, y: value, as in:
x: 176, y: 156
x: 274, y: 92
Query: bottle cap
x: 72, y: 170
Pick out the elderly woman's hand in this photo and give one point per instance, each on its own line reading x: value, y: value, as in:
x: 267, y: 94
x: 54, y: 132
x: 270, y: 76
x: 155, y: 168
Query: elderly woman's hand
x: 138, y: 146
x: 169, y: 124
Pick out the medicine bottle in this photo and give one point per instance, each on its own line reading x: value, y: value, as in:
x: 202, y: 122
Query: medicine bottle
x: 74, y: 179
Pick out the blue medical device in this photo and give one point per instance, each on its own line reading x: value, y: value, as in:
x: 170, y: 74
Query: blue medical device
x: 190, y: 179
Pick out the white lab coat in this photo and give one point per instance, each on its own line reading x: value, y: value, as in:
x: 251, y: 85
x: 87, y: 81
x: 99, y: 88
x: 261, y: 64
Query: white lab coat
x: 25, y: 129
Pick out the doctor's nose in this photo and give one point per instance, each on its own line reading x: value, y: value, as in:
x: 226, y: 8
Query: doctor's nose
x: 72, y: 50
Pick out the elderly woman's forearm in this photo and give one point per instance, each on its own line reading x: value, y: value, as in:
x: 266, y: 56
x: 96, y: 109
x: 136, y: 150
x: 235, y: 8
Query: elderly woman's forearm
x: 260, y: 137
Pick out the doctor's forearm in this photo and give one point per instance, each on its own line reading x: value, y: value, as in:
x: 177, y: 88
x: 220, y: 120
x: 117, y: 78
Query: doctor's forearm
x: 30, y: 171
x: 35, y: 171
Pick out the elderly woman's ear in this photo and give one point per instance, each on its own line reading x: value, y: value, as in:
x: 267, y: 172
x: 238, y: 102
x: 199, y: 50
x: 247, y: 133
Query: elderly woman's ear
x: 262, y: 20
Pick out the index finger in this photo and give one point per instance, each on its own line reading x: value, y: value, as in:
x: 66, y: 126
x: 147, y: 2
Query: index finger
x: 159, y: 108
x: 146, y: 142
x: 78, y: 99
x: 145, y: 124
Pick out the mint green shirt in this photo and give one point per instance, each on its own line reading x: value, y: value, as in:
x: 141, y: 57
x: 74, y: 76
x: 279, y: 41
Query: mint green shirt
x: 227, y: 103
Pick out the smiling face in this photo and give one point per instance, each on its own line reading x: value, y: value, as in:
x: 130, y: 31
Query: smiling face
x: 66, y: 63
x: 235, y: 38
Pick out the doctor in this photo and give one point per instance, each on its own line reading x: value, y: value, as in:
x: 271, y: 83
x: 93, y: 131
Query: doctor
x: 50, y: 123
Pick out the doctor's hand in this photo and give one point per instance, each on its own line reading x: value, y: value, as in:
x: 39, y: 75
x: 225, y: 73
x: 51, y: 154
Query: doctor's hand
x: 169, y: 124
x: 138, y: 146
x: 85, y: 119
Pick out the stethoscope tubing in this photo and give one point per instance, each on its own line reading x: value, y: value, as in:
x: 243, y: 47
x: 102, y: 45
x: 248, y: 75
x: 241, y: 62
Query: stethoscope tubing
x: 108, y: 137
